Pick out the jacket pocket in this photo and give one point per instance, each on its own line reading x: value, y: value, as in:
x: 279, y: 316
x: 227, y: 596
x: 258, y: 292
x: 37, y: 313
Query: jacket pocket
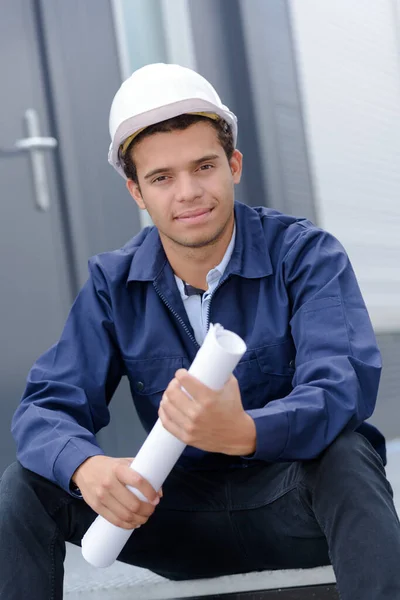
x: 277, y: 359
x: 152, y: 376
x: 266, y: 374
x: 148, y: 380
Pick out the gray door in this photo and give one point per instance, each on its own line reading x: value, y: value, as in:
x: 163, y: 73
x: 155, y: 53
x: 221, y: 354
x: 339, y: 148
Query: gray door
x: 35, y: 291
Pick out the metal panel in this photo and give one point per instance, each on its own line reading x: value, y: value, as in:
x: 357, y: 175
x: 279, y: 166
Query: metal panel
x: 84, y: 76
x: 278, y: 109
x: 35, y: 279
x: 178, y: 33
x: 140, y: 39
x: 221, y: 58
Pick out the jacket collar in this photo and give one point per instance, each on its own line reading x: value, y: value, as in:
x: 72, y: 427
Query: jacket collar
x: 250, y: 258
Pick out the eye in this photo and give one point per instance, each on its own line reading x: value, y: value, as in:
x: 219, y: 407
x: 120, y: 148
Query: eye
x: 160, y: 179
x: 206, y: 167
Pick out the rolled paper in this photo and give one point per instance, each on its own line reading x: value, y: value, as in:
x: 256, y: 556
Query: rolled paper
x: 213, y: 365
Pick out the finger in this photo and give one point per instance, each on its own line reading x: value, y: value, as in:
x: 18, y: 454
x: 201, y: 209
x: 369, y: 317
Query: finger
x: 170, y: 415
x: 178, y: 396
x: 197, y: 390
x: 173, y: 428
x: 128, y: 476
x: 179, y: 409
x: 129, y: 461
x: 116, y: 497
x: 117, y: 514
x: 126, y: 461
x: 112, y: 518
x: 130, y: 502
x: 232, y: 382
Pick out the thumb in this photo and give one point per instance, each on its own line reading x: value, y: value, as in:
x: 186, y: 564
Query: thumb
x: 126, y: 461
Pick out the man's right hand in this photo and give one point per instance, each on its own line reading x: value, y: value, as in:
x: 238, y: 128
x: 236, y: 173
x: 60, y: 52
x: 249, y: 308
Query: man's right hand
x: 102, y: 481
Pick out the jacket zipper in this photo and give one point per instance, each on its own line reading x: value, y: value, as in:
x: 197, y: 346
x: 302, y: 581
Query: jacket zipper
x: 221, y: 282
x: 176, y: 315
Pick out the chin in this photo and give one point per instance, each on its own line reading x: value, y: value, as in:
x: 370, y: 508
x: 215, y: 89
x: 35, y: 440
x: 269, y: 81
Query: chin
x: 200, y: 241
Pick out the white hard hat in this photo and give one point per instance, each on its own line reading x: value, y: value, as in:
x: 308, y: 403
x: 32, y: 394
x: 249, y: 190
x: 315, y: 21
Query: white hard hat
x: 158, y: 92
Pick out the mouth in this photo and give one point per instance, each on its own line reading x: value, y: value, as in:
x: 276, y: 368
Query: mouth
x: 194, y: 216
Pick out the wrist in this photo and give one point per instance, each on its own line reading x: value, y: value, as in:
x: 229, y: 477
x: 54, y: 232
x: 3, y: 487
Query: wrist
x: 245, y: 441
x: 78, y: 471
x: 251, y: 437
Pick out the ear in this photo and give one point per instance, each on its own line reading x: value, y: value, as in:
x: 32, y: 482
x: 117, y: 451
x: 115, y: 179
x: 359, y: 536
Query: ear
x: 236, y: 163
x: 134, y: 190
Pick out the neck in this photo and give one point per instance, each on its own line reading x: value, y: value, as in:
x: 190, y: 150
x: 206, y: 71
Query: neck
x: 193, y: 264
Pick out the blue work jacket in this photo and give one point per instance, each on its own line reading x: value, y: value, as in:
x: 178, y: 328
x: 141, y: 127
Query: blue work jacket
x: 311, y: 368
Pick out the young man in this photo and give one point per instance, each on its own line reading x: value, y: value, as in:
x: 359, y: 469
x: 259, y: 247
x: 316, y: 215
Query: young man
x: 278, y: 472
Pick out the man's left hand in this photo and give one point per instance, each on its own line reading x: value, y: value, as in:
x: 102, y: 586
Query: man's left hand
x: 214, y: 421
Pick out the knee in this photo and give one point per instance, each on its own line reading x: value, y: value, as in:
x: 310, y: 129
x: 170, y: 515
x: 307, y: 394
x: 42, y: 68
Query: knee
x: 348, y: 442
x: 12, y: 477
x: 14, y: 484
x: 349, y: 452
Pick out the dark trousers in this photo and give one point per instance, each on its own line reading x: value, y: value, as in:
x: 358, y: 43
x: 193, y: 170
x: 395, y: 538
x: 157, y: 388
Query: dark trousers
x: 337, y: 508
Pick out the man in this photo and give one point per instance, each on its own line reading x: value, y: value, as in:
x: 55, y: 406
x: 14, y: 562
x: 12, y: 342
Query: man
x: 275, y: 474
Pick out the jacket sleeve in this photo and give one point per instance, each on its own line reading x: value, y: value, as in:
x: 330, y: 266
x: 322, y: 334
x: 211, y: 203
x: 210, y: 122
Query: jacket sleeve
x: 338, y: 363
x: 65, y: 402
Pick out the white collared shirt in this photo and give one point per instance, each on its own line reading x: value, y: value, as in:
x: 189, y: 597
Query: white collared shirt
x: 197, y: 307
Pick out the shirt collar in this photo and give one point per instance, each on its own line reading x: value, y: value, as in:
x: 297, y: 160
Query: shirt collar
x: 215, y: 274
x: 249, y: 255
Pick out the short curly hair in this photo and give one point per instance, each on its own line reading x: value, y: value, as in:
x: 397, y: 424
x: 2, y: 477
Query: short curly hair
x: 223, y: 129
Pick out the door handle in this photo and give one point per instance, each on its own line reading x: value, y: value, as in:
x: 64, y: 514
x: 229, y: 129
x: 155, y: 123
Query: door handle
x: 29, y: 143
x: 34, y: 144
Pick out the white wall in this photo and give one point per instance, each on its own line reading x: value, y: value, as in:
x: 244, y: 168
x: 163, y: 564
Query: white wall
x: 349, y: 70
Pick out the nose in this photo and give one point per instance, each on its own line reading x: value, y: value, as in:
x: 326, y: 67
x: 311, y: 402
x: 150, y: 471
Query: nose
x: 187, y: 188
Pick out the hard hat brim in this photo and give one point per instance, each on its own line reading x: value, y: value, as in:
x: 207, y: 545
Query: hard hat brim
x: 151, y: 117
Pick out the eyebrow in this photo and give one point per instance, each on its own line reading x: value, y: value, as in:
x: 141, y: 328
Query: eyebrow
x: 192, y: 163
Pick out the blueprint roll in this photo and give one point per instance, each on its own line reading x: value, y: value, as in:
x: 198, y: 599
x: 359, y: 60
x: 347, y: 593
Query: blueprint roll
x: 213, y: 365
